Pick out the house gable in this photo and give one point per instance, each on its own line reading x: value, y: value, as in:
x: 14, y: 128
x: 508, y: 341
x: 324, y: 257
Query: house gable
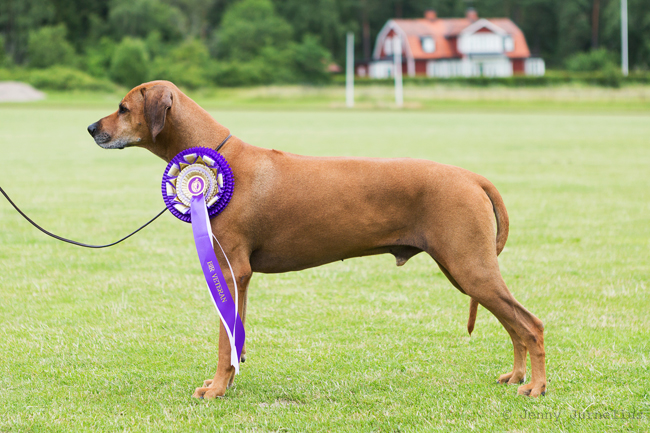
x: 384, y: 40
x: 384, y: 44
x: 482, y: 26
x: 483, y: 37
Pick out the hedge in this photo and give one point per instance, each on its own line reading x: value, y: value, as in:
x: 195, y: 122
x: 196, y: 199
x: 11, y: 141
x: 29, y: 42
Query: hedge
x: 606, y: 79
x: 57, y: 78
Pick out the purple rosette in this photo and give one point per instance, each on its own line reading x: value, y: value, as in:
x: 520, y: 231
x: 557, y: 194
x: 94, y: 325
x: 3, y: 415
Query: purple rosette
x: 205, y: 163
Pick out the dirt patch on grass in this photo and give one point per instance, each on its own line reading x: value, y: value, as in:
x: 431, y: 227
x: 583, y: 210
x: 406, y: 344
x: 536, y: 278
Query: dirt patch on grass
x: 13, y: 91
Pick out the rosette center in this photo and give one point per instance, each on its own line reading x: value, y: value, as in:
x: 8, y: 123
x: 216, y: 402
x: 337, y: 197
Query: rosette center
x: 196, y: 179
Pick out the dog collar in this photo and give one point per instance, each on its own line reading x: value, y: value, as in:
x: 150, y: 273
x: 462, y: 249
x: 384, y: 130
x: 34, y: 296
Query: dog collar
x: 223, y: 142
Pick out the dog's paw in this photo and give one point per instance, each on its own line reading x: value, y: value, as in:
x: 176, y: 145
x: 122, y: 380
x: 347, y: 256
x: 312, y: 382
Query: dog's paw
x: 207, y: 393
x: 511, y: 378
x: 532, y: 390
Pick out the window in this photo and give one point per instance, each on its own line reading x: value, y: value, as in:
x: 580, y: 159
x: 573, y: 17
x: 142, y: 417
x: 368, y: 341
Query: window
x: 428, y: 44
x: 508, y: 44
x: 388, y: 46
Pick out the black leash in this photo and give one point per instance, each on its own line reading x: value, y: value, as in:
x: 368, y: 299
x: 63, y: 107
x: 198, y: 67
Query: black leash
x: 69, y: 240
x: 86, y: 245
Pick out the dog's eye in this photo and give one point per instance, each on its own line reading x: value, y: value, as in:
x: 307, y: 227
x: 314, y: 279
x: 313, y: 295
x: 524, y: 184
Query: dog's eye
x: 122, y: 109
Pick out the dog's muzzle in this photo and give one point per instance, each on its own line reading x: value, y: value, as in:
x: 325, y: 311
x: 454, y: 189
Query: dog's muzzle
x: 100, y: 138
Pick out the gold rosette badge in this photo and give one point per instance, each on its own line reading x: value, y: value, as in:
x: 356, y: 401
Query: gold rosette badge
x: 193, y: 172
x: 195, y: 166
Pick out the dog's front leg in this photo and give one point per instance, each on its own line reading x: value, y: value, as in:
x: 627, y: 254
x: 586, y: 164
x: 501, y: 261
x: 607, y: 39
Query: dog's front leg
x: 225, y: 375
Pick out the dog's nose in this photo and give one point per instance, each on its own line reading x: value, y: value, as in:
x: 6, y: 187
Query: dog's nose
x: 92, y: 129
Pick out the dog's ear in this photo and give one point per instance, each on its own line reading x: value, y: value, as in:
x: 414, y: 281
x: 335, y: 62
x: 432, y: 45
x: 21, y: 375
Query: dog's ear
x: 157, y: 101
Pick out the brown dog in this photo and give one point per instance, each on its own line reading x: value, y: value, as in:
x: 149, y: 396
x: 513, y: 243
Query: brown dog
x: 292, y: 212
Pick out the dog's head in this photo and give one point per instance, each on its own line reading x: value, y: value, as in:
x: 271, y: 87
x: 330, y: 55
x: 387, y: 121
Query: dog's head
x: 140, y: 117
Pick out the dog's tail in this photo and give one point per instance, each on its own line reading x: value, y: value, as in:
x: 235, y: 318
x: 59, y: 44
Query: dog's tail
x: 500, y: 212
x: 473, y: 308
x: 503, y: 227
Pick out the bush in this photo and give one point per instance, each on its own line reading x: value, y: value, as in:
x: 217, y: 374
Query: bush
x: 611, y: 77
x: 155, y: 44
x: 64, y: 78
x: 595, y: 60
x: 608, y: 78
x: 238, y: 74
x: 130, y: 63
x: 8, y: 74
x: 4, y: 58
x: 270, y: 66
x: 48, y: 46
x: 311, y: 60
x: 138, y: 18
x: 255, y: 45
x: 248, y: 27
x: 99, y: 56
x: 187, y: 65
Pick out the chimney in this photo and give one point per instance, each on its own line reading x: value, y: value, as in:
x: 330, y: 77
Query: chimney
x: 471, y: 15
x: 430, y: 14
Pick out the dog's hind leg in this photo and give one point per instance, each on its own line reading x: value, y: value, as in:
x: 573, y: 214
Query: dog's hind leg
x: 518, y: 372
x: 225, y: 375
x: 481, y: 279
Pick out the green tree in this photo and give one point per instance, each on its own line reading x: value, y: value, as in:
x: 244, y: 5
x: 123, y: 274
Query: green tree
x: 3, y: 55
x: 17, y: 19
x: 99, y: 56
x: 138, y: 18
x: 130, y: 62
x: 311, y: 60
x: 248, y: 27
x: 187, y: 65
x: 638, y: 31
x: 329, y: 20
x: 198, y: 15
x: 595, y: 60
x: 77, y: 15
x: 48, y: 46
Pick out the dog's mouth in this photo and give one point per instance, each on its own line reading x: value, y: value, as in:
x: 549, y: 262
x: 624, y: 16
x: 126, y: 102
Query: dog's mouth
x: 103, y: 140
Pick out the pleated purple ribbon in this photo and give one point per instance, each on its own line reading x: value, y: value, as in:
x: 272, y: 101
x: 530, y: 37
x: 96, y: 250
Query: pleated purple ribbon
x: 221, y: 296
x: 198, y: 184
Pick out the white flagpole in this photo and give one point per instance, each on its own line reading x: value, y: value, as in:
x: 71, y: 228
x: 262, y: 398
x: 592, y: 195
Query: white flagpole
x: 397, y: 70
x: 349, y: 71
x: 624, y: 52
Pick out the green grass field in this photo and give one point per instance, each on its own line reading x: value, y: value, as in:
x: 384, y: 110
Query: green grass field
x: 117, y: 339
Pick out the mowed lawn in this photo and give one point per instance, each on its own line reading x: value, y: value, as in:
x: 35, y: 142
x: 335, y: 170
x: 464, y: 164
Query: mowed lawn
x: 118, y: 339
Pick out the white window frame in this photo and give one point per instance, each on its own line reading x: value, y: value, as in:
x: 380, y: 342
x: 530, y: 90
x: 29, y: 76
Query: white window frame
x: 432, y: 42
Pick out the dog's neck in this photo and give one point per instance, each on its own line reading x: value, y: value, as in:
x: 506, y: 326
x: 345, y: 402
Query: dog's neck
x: 188, y: 125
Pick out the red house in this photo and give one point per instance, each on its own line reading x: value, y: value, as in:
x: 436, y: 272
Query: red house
x: 449, y: 47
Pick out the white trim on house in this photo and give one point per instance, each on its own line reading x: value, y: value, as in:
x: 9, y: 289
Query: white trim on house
x: 381, y: 69
x: 444, y: 68
x: 478, y: 25
x: 471, y: 42
x: 406, y: 47
x: 486, y: 66
x: 534, y: 66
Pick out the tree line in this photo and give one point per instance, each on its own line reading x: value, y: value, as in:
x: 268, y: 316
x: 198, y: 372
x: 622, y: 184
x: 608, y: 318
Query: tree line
x: 242, y: 42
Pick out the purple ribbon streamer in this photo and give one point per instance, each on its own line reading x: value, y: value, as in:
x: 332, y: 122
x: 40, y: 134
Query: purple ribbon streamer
x: 216, y: 280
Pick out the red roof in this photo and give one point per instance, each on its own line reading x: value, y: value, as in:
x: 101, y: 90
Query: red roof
x: 445, y: 31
